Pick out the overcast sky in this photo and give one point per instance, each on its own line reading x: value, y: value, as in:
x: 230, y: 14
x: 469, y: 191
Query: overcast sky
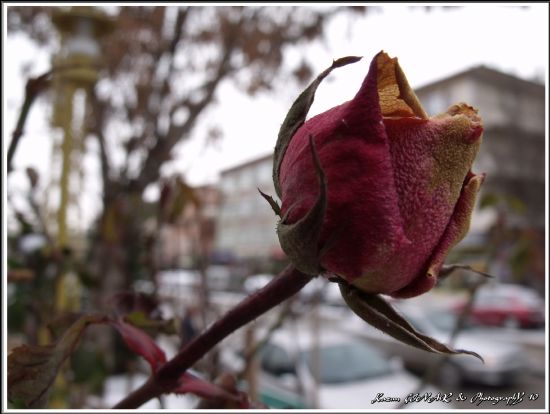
x: 429, y: 45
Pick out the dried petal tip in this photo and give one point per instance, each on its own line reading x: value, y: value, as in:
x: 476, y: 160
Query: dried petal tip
x: 475, y: 122
x: 397, y: 98
x: 465, y: 109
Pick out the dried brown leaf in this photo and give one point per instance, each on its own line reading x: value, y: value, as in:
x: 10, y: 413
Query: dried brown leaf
x: 32, y: 369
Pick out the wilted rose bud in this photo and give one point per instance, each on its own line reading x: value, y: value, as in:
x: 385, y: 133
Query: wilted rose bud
x: 374, y: 190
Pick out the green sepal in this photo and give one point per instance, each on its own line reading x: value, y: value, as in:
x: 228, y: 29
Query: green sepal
x: 300, y: 240
x: 374, y: 310
x: 274, y: 205
x: 297, y: 115
x: 32, y: 369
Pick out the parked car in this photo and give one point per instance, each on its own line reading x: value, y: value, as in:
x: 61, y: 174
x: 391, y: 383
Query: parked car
x: 507, y: 305
x: 174, y: 281
x: 314, y: 292
x: 504, y: 362
x: 351, y: 373
x: 254, y: 282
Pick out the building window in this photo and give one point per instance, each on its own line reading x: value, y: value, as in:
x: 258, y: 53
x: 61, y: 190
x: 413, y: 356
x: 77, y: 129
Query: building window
x: 265, y: 170
x: 229, y: 183
x: 435, y: 103
x: 247, y: 179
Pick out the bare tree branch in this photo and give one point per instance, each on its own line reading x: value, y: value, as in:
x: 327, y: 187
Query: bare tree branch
x: 33, y: 88
x: 98, y: 111
x: 160, y: 153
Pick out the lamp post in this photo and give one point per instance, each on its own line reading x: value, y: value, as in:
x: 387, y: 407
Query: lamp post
x: 75, y: 68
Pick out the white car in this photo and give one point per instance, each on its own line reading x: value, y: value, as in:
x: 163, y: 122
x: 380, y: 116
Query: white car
x: 174, y: 282
x: 351, y: 373
x: 255, y: 282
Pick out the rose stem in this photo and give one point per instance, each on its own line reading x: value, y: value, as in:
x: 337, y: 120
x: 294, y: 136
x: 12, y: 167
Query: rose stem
x: 289, y: 282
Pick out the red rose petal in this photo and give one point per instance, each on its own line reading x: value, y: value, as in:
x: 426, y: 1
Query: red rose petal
x: 362, y: 222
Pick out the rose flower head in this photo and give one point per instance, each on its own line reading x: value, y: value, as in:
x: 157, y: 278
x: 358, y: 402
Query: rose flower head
x: 375, y: 191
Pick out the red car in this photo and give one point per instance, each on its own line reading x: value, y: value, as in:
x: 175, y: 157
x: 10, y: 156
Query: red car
x: 507, y: 305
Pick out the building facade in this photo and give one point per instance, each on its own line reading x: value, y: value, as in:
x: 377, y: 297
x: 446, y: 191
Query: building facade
x: 192, y: 234
x: 246, y: 223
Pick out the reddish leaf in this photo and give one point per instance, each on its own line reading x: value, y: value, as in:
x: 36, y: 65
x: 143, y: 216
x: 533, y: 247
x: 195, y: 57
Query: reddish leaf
x: 189, y: 383
x: 32, y: 369
x: 214, y: 396
x: 141, y: 343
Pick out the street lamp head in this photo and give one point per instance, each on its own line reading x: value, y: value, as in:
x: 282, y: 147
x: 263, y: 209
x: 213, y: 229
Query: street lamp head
x: 68, y: 20
x: 83, y: 41
x: 81, y: 28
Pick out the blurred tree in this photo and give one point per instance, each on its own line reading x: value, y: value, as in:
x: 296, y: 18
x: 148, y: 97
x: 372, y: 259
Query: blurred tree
x: 163, y: 69
x: 510, y: 253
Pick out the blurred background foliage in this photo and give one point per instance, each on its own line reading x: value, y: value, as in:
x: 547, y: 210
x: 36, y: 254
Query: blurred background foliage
x: 160, y: 70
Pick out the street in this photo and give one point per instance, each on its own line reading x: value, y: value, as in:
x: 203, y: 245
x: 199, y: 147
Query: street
x: 527, y: 393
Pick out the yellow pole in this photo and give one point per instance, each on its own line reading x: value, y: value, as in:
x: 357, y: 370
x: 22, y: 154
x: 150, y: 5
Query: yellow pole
x: 67, y: 289
x: 67, y: 295
x: 66, y: 151
x: 82, y: 74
